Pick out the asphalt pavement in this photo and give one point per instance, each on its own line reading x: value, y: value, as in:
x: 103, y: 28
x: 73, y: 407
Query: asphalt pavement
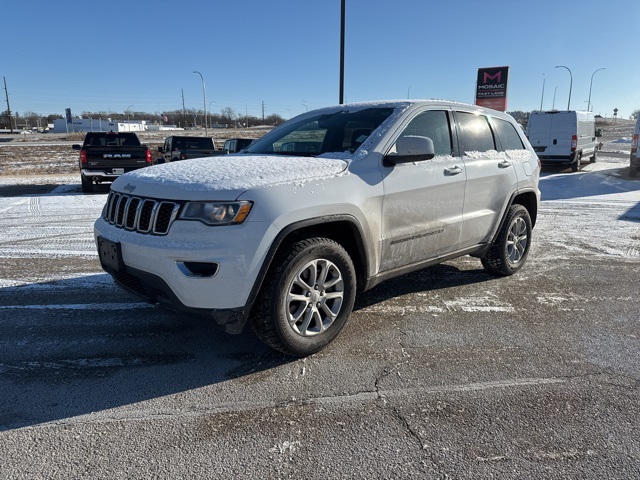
x: 444, y: 373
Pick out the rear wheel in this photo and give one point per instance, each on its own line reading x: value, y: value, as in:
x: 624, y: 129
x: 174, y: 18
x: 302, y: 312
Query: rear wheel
x: 87, y: 184
x: 575, y: 164
x: 307, y: 297
x: 510, y: 250
x: 593, y: 158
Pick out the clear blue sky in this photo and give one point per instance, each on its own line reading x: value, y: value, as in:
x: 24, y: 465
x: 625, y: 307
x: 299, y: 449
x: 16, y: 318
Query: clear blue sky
x: 106, y: 56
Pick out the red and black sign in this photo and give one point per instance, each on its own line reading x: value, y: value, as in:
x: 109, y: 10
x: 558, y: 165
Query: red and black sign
x: 491, y: 88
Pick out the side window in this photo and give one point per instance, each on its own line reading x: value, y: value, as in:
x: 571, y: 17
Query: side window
x: 475, y: 133
x: 507, y: 135
x: 435, y: 125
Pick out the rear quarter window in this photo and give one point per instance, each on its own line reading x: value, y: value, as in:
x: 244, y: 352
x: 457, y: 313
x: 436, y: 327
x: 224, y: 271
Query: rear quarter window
x: 508, y: 138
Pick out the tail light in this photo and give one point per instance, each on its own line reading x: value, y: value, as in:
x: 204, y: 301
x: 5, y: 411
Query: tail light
x: 574, y: 143
x: 83, y: 157
x: 634, y: 144
x: 148, y: 157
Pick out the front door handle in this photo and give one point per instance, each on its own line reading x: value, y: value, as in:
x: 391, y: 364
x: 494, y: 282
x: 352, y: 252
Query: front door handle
x: 453, y: 170
x: 504, y: 164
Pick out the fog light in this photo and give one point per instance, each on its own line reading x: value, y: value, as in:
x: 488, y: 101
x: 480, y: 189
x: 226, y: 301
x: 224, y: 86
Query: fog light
x: 198, y: 269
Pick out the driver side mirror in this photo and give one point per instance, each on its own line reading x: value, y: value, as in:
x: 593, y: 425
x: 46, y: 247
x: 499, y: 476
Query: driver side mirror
x: 411, y: 148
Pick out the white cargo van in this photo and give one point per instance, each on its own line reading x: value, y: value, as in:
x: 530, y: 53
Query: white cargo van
x: 563, y: 137
x: 634, y: 165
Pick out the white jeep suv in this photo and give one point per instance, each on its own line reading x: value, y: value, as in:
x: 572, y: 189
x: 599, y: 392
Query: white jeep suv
x: 332, y: 202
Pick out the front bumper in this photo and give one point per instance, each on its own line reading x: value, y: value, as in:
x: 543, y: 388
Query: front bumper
x: 152, y: 267
x: 155, y: 290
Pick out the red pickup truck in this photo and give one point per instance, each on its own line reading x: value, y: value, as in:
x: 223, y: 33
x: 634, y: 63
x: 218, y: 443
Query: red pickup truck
x: 104, y: 156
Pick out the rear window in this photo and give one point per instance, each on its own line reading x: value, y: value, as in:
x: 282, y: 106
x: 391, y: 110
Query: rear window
x: 195, y: 143
x: 112, y: 140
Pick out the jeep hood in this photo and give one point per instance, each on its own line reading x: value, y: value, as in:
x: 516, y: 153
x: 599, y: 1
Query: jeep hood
x: 225, y: 177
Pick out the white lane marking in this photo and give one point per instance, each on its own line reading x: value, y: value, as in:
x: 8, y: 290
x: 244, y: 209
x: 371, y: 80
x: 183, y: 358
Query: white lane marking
x: 80, y: 306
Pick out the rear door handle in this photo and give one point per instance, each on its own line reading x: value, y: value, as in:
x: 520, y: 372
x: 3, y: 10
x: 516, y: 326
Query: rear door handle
x: 504, y: 164
x: 453, y: 170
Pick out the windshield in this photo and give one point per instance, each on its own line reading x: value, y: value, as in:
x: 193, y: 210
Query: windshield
x: 342, y: 131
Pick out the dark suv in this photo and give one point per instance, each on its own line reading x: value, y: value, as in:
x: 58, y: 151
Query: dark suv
x: 184, y: 148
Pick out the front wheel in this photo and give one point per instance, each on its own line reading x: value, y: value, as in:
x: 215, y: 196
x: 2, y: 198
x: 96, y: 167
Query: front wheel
x: 307, y: 297
x: 593, y: 158
x: 510, y: 250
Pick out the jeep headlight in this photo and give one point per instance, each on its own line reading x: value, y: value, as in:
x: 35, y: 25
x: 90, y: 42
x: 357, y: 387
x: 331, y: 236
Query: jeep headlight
x: 217, y: 213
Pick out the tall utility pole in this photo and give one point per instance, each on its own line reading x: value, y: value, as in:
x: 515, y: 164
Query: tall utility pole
x: 342, y: 8
x: 8, y: 107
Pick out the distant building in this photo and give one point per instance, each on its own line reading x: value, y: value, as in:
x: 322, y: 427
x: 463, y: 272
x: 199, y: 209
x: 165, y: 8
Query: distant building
x: 78, y: 124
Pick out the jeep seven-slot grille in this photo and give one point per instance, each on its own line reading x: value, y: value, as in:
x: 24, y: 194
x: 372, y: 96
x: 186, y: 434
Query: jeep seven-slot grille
x: 143, y: 215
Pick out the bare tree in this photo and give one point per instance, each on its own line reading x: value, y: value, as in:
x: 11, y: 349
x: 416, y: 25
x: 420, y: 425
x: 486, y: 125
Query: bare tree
x: 229, y: 114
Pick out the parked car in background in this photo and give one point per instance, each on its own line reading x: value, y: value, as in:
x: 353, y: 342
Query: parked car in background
x: 331, y: 202
x: 185, y: 147
x: 104, y: 156
x: 634, y: 161
x: 234, y: 145
x: 563, y: 137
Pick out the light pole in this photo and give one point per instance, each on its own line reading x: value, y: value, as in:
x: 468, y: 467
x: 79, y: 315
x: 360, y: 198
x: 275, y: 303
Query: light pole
x: 544, y: 79
x: 553, y: 107
x: 212, y: 101
x: 204, y: 96
x: 409, y: 92
x: 128, y: 111
x: 591, y: 85
x: 342, y: 29
x: 570, y: 85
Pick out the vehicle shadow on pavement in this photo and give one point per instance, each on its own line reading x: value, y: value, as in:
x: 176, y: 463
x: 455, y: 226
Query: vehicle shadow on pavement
x: 443, y: 275
x: 50, y: 189
x: 61, y: 359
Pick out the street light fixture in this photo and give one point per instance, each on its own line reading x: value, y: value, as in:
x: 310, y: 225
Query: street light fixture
x: 570, y: 85
x: 589, y: 109
x: 204, y: 95
x: 128, y: 111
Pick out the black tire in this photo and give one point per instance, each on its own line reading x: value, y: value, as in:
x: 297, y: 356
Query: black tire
x: 633, y: 171
x: 87, y: 184
x: 511, y: 248
x: 297, y: 318
x: 594, y: 157
x: 575, y: 164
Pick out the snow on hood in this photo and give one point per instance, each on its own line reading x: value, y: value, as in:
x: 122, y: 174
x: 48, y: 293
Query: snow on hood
x: 233, y: 173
